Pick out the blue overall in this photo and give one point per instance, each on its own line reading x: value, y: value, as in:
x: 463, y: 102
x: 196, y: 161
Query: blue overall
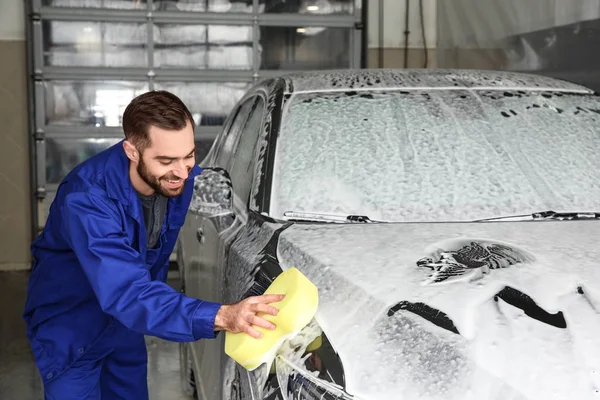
x: 96, y: 290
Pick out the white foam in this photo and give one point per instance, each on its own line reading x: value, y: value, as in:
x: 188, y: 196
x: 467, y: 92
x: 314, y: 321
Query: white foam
x: 363, y: 270
x: 437, y: 155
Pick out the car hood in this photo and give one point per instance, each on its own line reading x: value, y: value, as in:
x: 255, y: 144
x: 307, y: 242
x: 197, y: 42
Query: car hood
x: 496, y: 310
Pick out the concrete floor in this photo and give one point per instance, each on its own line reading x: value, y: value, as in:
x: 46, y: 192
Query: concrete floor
x: 19, y: 377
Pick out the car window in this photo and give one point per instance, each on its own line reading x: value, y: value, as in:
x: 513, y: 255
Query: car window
x: 246, y: 149
x: 437, y: 155
x: 226, y: 150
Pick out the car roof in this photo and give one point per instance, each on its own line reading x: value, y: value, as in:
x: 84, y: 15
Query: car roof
x: 376, y: 79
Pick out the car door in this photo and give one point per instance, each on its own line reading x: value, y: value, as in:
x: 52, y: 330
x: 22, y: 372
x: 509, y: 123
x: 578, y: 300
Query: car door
x: 236, y: 155
x: 196, y: 242
x: 195, y: 271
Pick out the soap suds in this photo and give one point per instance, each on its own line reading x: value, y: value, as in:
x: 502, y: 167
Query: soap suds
x: 363, y: 270
x: 448, y: 156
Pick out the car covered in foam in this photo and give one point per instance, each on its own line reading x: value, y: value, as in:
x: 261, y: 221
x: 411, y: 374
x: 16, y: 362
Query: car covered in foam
x: 447, y: 217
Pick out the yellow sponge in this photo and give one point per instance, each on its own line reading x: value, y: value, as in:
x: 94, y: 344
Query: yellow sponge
x: 295, y: 312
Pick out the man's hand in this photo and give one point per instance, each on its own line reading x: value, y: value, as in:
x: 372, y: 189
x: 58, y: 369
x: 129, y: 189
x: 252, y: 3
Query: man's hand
x: 240, y: 317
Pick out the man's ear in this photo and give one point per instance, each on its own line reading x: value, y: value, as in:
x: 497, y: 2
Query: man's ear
x: 131, y: 151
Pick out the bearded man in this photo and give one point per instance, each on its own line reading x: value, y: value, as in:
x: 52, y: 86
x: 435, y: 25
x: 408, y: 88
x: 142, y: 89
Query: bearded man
x: 99, y: 267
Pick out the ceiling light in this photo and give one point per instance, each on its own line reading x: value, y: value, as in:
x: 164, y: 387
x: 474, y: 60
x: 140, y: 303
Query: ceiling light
x: 301, y: 30
x: 312, y: 8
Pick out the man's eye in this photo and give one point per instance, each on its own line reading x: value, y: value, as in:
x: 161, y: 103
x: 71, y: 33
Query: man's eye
x: 165, y: 162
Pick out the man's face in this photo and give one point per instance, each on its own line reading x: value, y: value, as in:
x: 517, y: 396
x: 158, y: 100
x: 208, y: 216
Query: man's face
x: 166, y: 163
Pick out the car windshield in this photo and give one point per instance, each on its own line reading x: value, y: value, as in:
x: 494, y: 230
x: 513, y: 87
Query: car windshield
x: 437, y: 155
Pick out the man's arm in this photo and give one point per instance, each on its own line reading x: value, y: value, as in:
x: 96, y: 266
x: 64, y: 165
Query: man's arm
x: 120, y: 280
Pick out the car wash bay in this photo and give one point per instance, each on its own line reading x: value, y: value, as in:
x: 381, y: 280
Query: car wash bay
x: 69, y: 67
x: 68, y: 70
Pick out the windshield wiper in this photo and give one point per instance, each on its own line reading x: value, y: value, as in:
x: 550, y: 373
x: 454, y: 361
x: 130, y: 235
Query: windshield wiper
x: 317, y: 217
x: 547, y: 215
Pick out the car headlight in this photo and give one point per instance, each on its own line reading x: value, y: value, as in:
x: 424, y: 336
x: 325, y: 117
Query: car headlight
x: 306, y: 368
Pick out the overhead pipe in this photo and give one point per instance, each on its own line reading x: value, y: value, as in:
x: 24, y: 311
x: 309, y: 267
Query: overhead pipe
x: 424, y: 37
x: 406, y: 31
x: 380, y: 50
x: 364, y: 62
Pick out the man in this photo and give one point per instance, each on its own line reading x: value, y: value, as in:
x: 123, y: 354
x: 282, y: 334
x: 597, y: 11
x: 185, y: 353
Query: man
x: 99, y: 267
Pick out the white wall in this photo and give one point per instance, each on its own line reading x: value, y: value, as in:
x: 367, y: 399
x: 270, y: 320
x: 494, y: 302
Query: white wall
x: 12, y: 20
x: 571, y: 11
x: 542, y: 14
x: 482, y: 23
x: 393, y: 23
x: 531, y: 15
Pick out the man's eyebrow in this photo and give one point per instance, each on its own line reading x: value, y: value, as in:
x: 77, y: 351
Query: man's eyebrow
x: 167, y: 158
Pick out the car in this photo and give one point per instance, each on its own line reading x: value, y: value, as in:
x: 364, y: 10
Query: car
x: 448, y: 218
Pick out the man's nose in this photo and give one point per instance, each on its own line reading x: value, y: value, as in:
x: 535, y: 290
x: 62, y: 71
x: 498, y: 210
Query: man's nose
x: 181, y: 170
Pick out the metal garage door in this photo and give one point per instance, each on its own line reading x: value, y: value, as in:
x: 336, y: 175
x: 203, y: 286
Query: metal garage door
x: 88, y: 58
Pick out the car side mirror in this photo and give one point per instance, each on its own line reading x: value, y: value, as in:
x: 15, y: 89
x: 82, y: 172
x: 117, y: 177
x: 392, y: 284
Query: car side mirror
x: 213, y: 193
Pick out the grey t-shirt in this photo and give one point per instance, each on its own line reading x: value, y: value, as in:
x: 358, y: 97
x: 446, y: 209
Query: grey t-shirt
x: 155, y: 208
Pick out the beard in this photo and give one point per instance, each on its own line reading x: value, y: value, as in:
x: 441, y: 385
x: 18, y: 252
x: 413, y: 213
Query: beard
x: 155, y: 181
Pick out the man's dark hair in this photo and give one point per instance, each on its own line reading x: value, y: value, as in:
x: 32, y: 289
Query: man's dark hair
x: 155, y: 108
